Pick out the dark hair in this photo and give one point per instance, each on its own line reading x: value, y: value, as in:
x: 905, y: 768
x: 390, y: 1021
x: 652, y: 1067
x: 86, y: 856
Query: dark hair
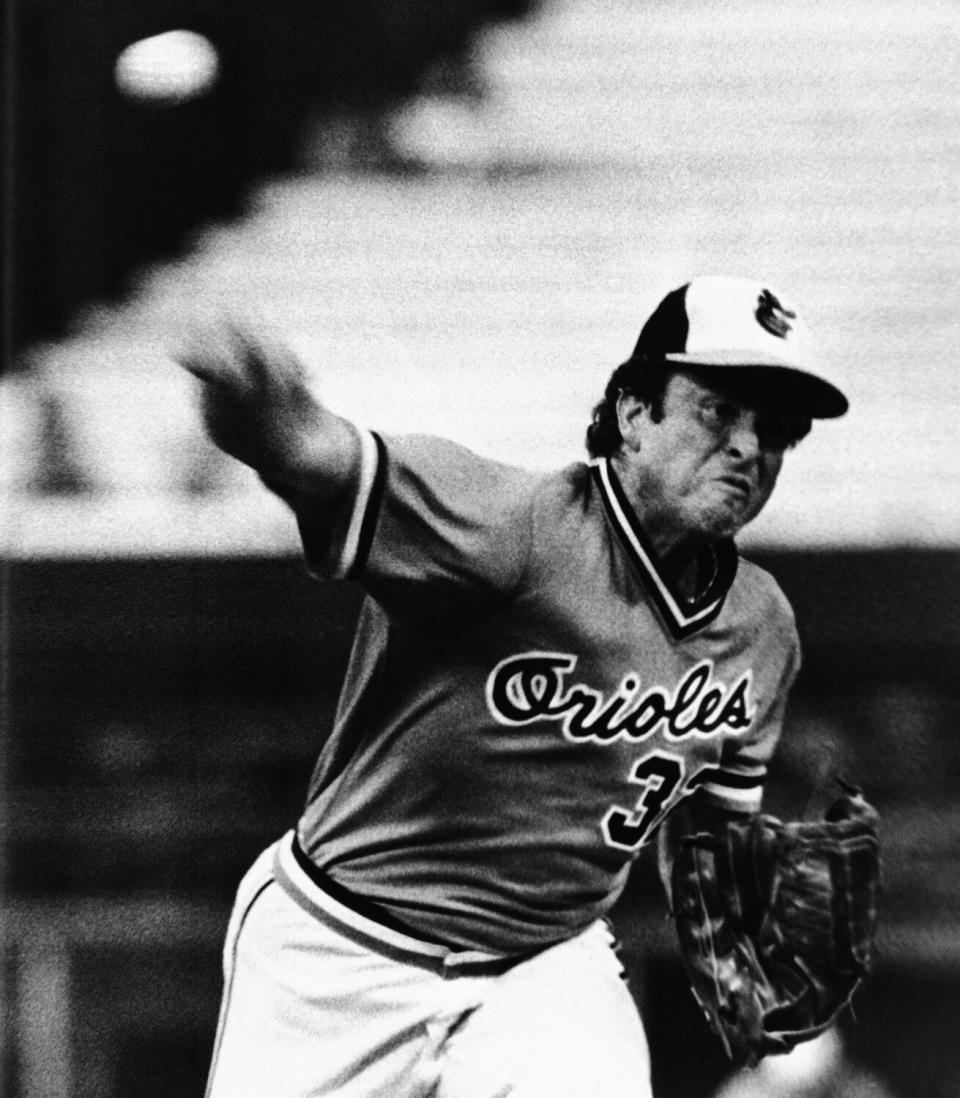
x: 647, y: 380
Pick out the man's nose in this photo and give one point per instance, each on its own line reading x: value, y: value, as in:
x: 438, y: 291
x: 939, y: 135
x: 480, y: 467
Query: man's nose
x: 744, y: 440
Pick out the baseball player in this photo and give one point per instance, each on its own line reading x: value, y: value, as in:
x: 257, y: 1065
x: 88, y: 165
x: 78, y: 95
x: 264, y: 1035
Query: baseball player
x: 546, y: 669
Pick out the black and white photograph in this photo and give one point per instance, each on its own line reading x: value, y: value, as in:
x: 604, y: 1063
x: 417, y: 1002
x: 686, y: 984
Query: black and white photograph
x: 480, y: 588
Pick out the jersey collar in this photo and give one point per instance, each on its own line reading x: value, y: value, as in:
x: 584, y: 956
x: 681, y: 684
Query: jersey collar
x: 681, y: 616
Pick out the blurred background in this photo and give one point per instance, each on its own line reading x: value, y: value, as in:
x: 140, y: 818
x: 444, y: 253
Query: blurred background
x: 458, y: 214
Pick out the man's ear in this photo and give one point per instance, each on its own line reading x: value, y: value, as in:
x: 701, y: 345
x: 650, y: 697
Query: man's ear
x: 633, y: 418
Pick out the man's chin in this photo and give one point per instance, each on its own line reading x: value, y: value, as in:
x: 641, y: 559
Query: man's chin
x: 724, y: 523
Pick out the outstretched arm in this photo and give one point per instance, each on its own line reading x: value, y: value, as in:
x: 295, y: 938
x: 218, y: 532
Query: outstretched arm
x: 258, y: 407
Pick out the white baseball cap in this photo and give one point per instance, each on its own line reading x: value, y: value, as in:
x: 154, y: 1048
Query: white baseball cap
x: 738, y: 324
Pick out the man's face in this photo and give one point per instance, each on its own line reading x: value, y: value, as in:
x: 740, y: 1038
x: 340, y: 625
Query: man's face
x: 709, y: 465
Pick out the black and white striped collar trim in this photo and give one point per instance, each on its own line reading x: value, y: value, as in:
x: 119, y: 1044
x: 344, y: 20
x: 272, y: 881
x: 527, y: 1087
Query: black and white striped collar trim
x: 681, y: 616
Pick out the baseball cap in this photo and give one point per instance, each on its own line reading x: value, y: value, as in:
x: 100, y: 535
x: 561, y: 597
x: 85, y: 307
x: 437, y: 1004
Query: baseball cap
x: 748, y: 330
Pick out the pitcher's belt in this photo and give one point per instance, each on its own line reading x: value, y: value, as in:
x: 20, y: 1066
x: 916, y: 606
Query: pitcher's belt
x: 368, y: 925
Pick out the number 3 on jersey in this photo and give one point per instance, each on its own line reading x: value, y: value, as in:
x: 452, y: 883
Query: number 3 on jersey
x: 660, y: 773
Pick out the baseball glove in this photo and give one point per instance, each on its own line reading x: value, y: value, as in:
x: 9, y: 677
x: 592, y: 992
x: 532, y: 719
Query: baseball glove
x: 777, y: 923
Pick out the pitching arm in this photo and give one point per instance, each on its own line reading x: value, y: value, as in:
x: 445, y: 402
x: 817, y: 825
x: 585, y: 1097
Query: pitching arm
x: 258, y: 407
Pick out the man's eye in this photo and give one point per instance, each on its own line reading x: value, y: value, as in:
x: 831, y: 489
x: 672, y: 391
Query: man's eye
x: 717, y: 413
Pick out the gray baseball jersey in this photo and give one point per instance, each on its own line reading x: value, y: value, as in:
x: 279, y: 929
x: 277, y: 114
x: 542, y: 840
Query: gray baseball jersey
x: 528, y: 695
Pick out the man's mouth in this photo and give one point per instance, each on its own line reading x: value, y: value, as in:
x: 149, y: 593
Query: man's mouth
x: 740, y: 484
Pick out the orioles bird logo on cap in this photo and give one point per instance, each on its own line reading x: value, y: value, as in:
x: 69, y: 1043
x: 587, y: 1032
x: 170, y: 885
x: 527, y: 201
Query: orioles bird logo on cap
x: 772, y: 316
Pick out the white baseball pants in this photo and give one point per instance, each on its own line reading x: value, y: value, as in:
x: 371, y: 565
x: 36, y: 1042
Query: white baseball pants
x: 310, y: 1009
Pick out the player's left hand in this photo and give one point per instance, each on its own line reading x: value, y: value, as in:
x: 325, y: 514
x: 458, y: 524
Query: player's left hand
x: 777, y: 923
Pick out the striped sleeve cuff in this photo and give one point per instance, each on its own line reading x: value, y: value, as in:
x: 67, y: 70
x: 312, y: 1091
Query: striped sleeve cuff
x: 369, y: 465
x: 740, y: 790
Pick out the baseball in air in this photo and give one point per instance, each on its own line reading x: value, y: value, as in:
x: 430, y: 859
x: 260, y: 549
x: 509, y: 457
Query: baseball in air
x: 168, y: 68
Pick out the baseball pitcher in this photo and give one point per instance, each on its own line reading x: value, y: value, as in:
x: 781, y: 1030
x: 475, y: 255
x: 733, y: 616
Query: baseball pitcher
x: 548, y: 671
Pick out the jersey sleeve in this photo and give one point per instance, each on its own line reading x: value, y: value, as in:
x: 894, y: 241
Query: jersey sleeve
x: 435, y: 528
x: 737, y: 784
